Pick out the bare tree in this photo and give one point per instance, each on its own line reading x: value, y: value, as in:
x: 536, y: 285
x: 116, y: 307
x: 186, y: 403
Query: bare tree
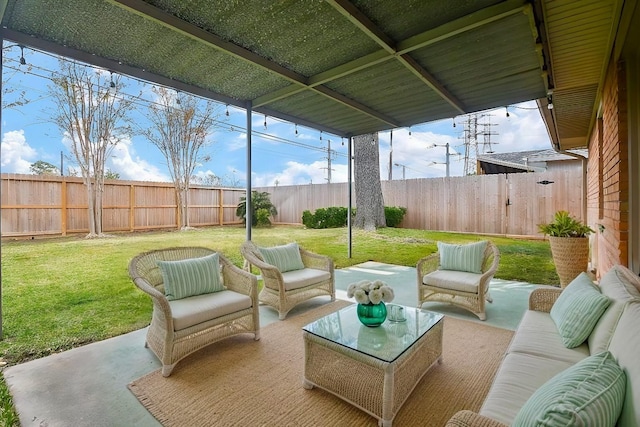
x: 369, y: 200
x: 180, y: 128
x: 90, y: 112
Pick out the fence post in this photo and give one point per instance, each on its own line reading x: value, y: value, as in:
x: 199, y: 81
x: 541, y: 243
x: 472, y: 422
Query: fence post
x: 63, y: 206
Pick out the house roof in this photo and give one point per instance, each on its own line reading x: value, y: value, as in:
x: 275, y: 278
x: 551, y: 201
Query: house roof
x: 523, y: 161
x: 346, y: 67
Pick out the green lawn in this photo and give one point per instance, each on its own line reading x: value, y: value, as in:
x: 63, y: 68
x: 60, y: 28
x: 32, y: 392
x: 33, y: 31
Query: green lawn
x: 64, y: 292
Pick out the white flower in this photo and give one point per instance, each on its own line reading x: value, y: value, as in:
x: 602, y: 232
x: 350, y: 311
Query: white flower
x: 366, y: 292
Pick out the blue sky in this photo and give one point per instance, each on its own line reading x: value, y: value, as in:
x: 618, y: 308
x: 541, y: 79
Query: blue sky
x: 280, y: 155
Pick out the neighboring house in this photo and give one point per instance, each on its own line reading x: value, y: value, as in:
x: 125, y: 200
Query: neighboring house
x: 528, y: 161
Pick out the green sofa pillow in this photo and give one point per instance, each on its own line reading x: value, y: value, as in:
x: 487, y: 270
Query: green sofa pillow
x: 590, y: 393
x: 285, y: 257
x: 467, y: 257
x: 189, y: 277
x: 578, y: 309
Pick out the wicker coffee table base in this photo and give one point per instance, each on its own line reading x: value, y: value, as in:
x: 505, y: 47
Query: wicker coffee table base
x: 377, y: 387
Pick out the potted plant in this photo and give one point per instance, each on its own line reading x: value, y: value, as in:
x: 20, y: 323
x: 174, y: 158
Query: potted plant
x: 569, y: 245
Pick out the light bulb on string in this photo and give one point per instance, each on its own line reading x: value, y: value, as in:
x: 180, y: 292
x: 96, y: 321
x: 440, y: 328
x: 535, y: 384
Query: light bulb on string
x: 454, y: 121
x: 22, y: 60
x: 320, y: 135
x: 177, y: 97
x: 296, y: 128
x: 507, y: 108
x: 265, y: 121
x: 227, y: 112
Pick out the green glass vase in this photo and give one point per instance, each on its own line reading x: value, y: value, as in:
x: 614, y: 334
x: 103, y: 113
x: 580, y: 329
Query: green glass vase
x: 372, y: 315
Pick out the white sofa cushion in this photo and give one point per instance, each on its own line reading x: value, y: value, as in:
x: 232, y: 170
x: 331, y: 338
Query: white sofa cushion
x: 578, y: 309
x: 590, y: 393
x: 518, y: 377
x: 620, y: 291
x: 297, y: 279
x: 460, y: 281
x: 190, y: 311
x: 537, y: 335
x: 625, y: 347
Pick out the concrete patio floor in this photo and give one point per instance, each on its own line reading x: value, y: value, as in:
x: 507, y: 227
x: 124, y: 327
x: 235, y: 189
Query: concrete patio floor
x: 87, y: 386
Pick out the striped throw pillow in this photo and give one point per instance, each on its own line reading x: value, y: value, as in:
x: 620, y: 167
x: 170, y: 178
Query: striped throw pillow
x: 462, y: 257
x: 578, y: 309
x: 590, y: 393
x: 190, y: 277
x: 285, y: 257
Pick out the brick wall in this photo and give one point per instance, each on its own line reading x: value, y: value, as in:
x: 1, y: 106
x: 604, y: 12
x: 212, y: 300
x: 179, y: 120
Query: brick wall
x: 608, y: 175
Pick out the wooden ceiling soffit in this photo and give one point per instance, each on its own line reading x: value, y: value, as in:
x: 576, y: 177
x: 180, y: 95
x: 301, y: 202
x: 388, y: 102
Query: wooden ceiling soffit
x: 299, y: 81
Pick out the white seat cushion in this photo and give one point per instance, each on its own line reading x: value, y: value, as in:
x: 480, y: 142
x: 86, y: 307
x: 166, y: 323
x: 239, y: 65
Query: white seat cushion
x: 537, y: 335
x: 460, y: 281
x: 201, y: 308
x: 518, y: 377
x: 297, y: 279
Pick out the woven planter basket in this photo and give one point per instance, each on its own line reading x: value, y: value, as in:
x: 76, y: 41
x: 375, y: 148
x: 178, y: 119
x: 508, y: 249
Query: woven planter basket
x: 571, y: 257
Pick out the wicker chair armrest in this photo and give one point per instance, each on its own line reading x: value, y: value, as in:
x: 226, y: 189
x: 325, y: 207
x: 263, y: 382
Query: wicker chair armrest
x: 427, y: 265
x: 317, y: 261
x: 470, y: 418
x: 160, y: 301
x: 543, y: 298
x: 238, y: 280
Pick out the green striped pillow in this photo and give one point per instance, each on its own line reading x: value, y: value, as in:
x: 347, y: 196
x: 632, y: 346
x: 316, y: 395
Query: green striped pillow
x: 285, y: 257
x: 590, y: 393
x: 189, y: 277
x: 578, y: 309
x: 462, y: 257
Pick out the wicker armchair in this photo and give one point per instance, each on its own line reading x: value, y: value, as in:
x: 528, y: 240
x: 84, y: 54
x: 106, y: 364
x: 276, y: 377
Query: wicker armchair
x: 470, y: 296
x: 283, y: 291
x: 181, y: 327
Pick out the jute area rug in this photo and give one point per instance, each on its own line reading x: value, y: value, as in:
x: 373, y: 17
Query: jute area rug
x: 242, y: 382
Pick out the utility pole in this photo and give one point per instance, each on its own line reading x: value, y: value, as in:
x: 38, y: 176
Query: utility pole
x: 391, y: 155
x: 470, y: 136
x: 328, y: 162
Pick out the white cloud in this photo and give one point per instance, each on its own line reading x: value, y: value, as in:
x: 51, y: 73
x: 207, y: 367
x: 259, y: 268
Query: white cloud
x: 17, y: 154
x: 131, y: 167
x: 297, y: 173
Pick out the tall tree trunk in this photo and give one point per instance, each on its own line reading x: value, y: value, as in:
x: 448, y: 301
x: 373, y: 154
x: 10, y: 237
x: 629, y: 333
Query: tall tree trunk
x: 369, y: 201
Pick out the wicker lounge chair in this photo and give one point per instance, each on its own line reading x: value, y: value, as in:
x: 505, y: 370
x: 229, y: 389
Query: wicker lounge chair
x: 285, y: 290
x: 180, y: 327
x: 465, y: 289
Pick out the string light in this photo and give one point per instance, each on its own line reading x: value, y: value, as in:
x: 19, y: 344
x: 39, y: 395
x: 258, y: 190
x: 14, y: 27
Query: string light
x: 227, y: 112
x: 454, y: 121
x: 177, y: 97
x: 22, y: 60
x: 265, y: 121
x: 320, y: 135
x: 112, y: 85
x: 296, y: 127
x: 507, y: 108
x: 409, y: 131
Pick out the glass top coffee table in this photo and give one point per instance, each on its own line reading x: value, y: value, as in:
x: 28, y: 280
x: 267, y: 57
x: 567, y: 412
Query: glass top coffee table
x: 374, y: 369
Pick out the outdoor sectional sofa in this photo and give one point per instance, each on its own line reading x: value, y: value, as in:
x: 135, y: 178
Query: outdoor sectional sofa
x: 543, y: 382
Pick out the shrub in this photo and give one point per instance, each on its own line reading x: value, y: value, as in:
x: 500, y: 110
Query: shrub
x: 394, y: 215
x: 335, y: 217
x: 259, y: 201
x: 262, y: 218
x: 332, y: 217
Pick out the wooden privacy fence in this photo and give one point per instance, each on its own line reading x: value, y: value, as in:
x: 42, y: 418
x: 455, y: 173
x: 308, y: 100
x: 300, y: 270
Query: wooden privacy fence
x: 35, y: 205
x: 512, y: 204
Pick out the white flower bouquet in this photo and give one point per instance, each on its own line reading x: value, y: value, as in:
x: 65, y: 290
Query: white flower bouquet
x: 366, y: 292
